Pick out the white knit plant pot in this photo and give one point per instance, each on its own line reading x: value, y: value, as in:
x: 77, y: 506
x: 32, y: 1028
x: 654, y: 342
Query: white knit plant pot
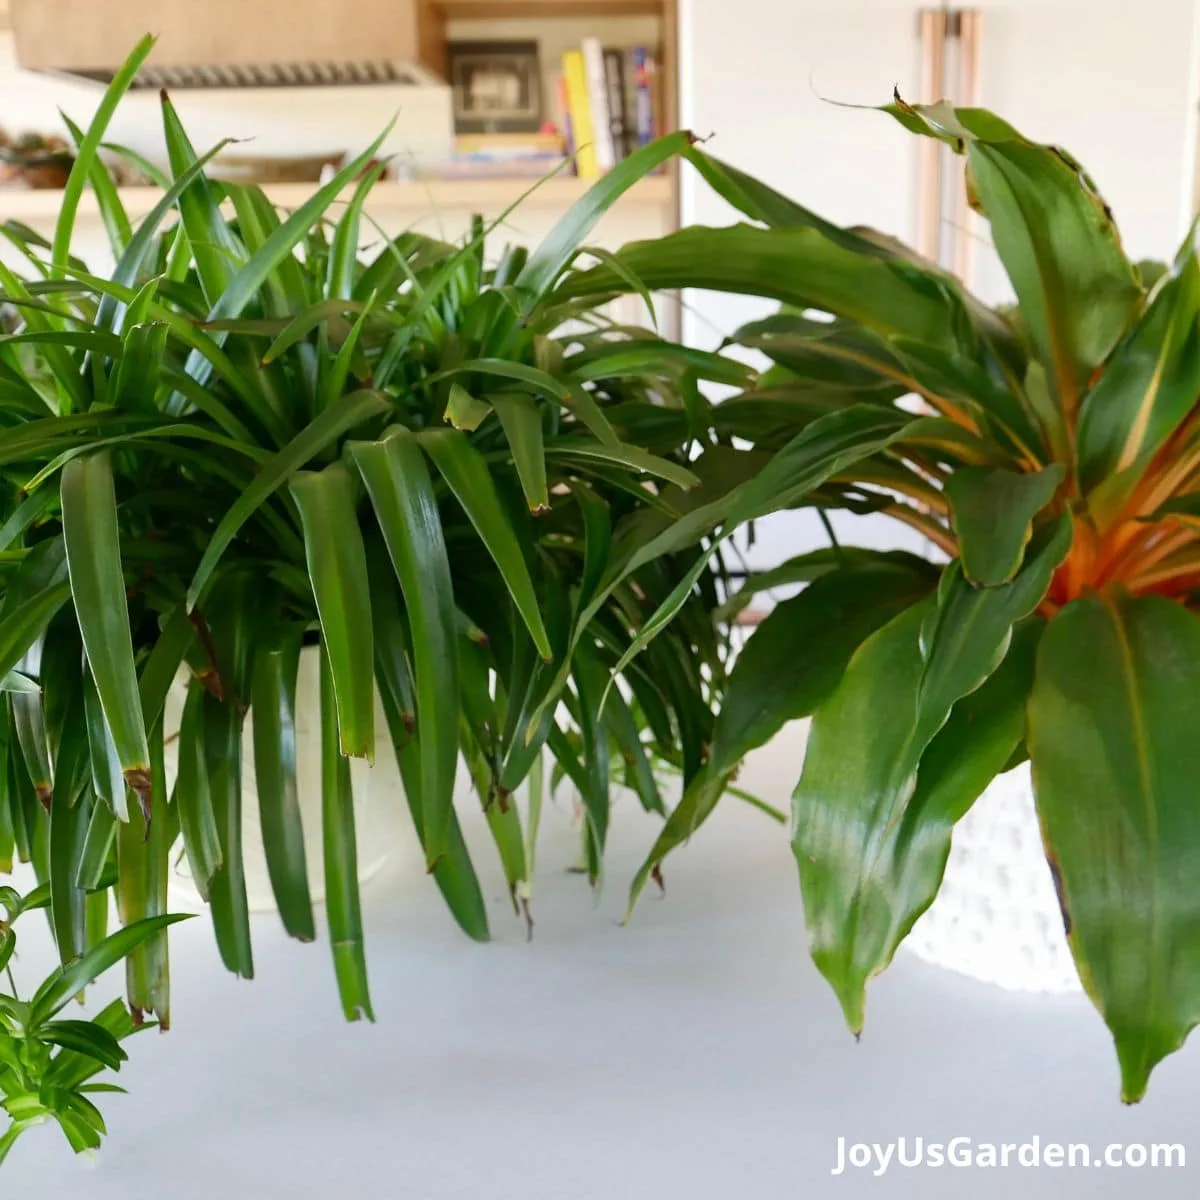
x: 382, y: 824
x: 996, y: 917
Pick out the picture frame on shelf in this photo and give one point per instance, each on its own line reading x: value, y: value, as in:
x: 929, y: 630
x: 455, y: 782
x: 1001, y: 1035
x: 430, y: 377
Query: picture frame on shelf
x: 497, y: 86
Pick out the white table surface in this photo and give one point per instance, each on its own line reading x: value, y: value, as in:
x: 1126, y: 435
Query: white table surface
x: 694, y: 1053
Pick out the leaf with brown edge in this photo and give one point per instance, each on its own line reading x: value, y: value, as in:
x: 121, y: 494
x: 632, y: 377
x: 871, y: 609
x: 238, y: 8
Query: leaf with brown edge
x: 1114, y: 720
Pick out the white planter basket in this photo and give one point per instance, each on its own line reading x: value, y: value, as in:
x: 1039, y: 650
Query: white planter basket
x: 382, y: 823
x: 996, y: 917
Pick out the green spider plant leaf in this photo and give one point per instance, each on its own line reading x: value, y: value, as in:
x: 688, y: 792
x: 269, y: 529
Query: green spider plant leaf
x: 143, y: 871
x: 993, y: 510
x: 578, y: 450
x: 341, y: 863
x: 69, y: 822
x: 547, y: 262
x: 398, y: 482
x: 91, y: 870
x: 1150, y: 383
x: 571, y: 395
x: 1113, y: 718
x: 85, y: 158
x: 222, y: 742
x: 215, y: 250
x: 590, y: 680
x: 522, y: 424
x: 454, y: 872
x: 108, y: 199
x: 463, y: 411
x: 67, y: 982
x: 466, y: 473
x: 273, y: 709
x: 337, y: 569
x: 872, y: 830
x: 93, y: 544
x: 140, y: 373
x: 323, y: 431
x: 85, y: 1037
x: 193, y: 798
x: 108, y: 781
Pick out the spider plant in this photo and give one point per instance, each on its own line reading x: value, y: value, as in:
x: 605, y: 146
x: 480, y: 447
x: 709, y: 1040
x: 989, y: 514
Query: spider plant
x: 48, y: 1063
x: 252, y: 436
x: 1053, y: 464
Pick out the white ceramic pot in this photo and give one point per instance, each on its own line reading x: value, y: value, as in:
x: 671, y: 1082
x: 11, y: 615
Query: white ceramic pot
x: 996, y: 916
x: 382, y: 822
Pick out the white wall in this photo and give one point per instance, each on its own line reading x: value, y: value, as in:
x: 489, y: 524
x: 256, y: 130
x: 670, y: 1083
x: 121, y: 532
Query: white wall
x: 1112, y: 81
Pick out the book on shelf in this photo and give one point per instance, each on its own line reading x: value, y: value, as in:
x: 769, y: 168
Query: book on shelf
x: 587, y: 162
x: 611, y: 101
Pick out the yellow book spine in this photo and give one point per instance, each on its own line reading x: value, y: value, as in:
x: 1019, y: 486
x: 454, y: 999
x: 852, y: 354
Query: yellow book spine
x: 581, y: 115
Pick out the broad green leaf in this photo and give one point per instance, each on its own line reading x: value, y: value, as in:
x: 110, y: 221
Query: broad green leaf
x: 466, y: 473
x: 816, y: 633
x: 341, y: 862
x: 398, y: 482
x: 523, y: 428
x: 273, y: 710
x: 993, y: 510
x: 325, y: 429
x: 848, y: 808
x: 871, y: 853
x: 67, y: 982
x: 1055, y: 236
x: 798, y: 267
x: 1113, y: 718
x: 337, y: 569
x: 967, y: 635
x: 1150, y: 383
x: 93, y: 543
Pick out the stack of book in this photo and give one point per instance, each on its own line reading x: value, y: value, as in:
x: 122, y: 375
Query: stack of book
x: 504, y: 156
x: 610, y: 103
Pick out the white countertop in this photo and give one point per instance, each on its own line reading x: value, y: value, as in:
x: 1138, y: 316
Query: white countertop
x: 694, y: 1053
